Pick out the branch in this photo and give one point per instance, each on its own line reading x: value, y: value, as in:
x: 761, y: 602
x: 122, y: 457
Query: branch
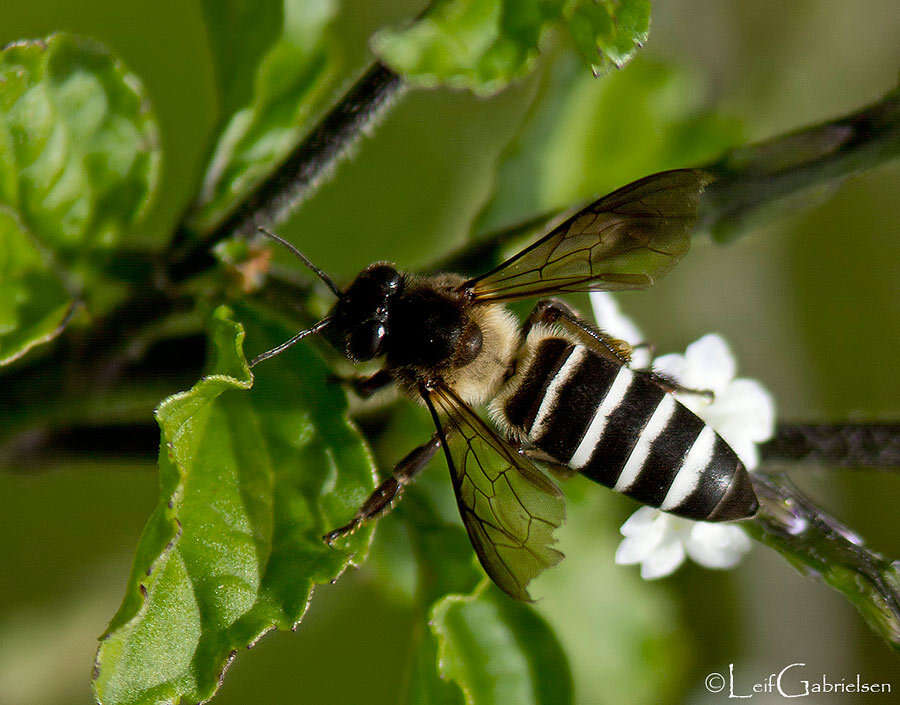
x: 275, y: 198
x: 753, y: 177
x: 821, y: 547
x: 855, y: 445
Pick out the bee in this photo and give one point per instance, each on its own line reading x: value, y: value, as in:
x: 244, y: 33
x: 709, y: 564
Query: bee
x: 560, y: 392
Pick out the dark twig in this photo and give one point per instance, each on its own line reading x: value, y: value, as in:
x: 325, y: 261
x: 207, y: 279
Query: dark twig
x: 279, y: 195
x: 759, y: 175
x: 751, y: 178
x: 821, y: 547
x: 286, y: 187
x: 859, y: 445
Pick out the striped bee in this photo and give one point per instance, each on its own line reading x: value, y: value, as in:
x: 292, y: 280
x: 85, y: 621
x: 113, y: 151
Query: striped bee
x: 562, y: 393
x: 622, y: 428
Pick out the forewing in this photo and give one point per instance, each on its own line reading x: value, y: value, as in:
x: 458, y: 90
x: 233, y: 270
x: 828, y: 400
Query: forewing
x: 625, y: 240
x: 510, y: 509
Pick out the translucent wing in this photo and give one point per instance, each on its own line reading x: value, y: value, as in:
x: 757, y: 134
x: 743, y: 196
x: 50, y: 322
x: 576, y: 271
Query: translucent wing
x: 623, y: 241
x: 510, y: 509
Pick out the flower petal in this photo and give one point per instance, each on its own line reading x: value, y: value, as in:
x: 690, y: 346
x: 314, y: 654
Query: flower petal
x: 717, y: 545
x: 710, y: 364
x: 644, y: 531
x: 672, y: 365
x: 744, y: 415
x: 631, y: 551
x: 640, y: 521
x: 611, y: 320
x: 749, y: 400
x: 664, y: 560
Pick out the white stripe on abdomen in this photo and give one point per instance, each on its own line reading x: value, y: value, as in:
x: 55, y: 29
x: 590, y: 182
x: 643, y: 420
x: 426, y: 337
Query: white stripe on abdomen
x: 594, y: 432
x: 548, y: 403
x: 655, y: 426
x: 695, y: 462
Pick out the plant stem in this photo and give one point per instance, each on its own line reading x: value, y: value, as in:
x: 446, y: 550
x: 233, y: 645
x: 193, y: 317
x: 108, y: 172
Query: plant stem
x: 760, y: 175
x: 821, y: 547
x: 276, y: 197
x: 854, y: 445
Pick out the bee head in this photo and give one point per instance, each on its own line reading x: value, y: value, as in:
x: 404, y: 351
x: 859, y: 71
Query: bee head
x: 358, y: 323
x: 360, y: 320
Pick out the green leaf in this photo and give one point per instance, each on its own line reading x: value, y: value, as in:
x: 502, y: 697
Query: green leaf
x: 79, y: 161
x: 626, y: 637
x: 499, y: 651
x: 252, y: 473
x: 481, y: 646
x: 240, y: 32
x: 445, y: 565
x: 79, y: 154
x: 609, y: 32
x: 586, y: 137
x: 34, y: 303
x: 485, y: 44
x: 289, y: 84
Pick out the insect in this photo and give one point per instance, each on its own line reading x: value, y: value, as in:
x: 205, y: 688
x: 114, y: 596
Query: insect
x: 560, y: 392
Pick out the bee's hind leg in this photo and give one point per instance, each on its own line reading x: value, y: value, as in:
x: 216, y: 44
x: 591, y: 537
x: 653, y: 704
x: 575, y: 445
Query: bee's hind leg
x: 382, y: 499
x: 550, y: 311
x: 670, y: 385
x: 651, y: 353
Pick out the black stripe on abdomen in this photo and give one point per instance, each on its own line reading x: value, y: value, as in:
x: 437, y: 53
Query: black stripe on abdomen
x: 720, y: 473
x: 576, y: 403
x: 665, y: 456
x: 623, y: 426
x: 522, y: 407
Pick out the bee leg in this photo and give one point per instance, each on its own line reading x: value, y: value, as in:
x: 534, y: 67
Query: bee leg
x: 559, y: 312
x: 561, y: 472
x: 555, y: 311
x: 649, y: 347
x: 670, y: 385
x: 381, y: 500
x: 366, y: 386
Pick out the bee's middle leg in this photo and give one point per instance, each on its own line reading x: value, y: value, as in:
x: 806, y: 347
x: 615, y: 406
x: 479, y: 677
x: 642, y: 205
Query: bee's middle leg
x: 381, y: 500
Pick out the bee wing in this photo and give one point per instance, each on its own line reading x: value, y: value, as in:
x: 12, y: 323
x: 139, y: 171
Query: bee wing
x: 623, y: 241
x: 509, y: 508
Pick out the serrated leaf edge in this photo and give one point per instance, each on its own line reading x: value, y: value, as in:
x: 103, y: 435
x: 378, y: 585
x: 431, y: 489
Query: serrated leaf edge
x: 223, y: 314
x: 437, y: 611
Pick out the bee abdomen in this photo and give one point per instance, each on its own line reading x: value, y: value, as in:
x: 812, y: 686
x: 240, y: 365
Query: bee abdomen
x: 618, y: 427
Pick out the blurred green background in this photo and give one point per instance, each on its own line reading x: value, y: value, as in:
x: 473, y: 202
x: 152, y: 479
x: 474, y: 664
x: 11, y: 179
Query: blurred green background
x: 808, y: 303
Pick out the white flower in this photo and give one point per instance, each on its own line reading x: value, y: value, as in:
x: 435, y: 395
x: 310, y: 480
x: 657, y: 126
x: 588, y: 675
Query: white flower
x: 660, y: 542
x: 611, y: 320
x: 742, y: 412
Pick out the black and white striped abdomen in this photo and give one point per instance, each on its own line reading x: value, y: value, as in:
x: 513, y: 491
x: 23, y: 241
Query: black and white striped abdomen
x: 619, y: 427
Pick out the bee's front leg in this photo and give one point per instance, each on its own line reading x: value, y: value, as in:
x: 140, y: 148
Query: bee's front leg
x: 365, y: 387
x: 381, y: 500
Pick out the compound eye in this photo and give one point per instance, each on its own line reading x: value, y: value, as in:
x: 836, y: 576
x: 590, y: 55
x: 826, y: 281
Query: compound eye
x: 392, y: 281
x: 367, y: 339
x: 386, y: 277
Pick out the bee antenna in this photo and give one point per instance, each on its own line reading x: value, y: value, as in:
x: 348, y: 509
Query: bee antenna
x: 322, y: 275
x: 288, y: 343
